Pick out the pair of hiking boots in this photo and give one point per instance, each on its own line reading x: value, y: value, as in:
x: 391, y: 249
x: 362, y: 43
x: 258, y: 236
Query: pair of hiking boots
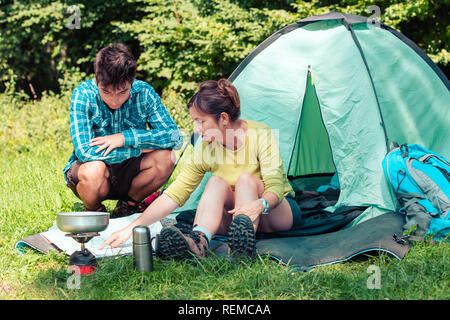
x: 182, y: 242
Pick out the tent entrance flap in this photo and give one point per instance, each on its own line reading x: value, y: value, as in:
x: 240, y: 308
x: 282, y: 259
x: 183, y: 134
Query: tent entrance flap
x: 312, y: 151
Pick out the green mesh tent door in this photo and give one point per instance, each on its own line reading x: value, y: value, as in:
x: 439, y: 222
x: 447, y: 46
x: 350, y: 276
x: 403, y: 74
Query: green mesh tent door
x: 311, y: 150
x: 337, y: 90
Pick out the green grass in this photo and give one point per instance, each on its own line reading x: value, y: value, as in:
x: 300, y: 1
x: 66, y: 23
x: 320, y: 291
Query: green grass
x: 34, y: 147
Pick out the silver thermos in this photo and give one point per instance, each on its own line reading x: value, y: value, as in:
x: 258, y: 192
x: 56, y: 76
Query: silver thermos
x: 142, y: 249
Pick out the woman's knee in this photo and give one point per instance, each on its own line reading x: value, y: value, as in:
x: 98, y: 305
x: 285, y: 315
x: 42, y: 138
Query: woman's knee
x: 217, y: 190
x: 216, y: 183
x: 248, y: 180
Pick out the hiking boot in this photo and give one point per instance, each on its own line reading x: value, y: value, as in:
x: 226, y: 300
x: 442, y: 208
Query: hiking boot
x: 241, y: 237
x: 174, y: 244
x: 125, y: 208
x: 101, y: 208
x: 184, y: 227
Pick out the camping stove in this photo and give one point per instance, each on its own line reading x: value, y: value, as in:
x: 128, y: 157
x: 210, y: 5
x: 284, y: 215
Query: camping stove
x: 83, y: 259
x: 82, y: 227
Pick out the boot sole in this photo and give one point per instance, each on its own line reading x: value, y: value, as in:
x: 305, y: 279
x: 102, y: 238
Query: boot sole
x: 241, y: 235
x: 172, y: 244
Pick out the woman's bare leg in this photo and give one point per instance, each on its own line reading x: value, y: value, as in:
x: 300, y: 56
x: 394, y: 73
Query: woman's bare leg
x: 278, y: 219
x: 212, y: 209
x: 211, y: 218
x: 249, y: 188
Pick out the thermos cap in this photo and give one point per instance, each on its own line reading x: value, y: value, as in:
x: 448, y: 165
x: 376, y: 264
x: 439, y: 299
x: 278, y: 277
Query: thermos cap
x: 141, y: 235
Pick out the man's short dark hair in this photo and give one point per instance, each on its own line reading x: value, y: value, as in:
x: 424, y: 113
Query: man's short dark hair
x: 115, y: 65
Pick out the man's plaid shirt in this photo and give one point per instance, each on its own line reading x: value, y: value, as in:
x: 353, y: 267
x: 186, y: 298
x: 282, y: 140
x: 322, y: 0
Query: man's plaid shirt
x: 90, y: 118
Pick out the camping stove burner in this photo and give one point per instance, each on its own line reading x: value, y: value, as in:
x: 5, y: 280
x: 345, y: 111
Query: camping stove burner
x: 82, y: 237
x: 83, y: 259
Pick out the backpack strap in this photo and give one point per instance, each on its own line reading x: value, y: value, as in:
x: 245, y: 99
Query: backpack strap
x: 425, y: 157
x: 430, y: 188
x: 445, y: 173
x: 412, y: 198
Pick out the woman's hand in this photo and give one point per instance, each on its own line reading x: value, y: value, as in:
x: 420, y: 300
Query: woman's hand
x: 108, y: 142
x: 252, y: 209
x: 160, y: 208
x: 117, y: 238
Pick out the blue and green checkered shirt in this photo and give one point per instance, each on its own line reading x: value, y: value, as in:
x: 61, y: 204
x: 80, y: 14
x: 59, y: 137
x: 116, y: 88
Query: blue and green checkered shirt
x: 90, y: 118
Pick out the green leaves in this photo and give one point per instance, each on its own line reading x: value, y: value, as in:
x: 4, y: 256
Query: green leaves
x: 186, y: 42
x: 178, y: 43
x: 37, y: 45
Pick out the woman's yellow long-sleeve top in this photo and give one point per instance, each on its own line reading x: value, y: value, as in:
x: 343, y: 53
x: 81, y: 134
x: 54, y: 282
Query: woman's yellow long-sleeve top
x: 259, y: 156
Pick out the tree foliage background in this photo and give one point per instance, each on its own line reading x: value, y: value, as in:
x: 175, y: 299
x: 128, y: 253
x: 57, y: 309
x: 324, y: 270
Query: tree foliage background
x: 178, y: 43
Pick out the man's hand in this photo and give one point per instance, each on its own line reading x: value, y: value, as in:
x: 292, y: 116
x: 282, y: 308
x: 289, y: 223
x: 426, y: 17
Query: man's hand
x: 108, y: 142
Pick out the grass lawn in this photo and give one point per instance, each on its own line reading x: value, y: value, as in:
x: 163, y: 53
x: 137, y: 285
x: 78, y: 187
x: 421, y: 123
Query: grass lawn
x: 34, y: 147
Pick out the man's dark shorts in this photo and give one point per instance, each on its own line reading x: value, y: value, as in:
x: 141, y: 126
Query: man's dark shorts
x: 120, y: 177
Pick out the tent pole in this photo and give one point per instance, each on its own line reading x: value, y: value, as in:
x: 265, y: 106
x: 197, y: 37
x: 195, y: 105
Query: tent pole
x: 358, y: 45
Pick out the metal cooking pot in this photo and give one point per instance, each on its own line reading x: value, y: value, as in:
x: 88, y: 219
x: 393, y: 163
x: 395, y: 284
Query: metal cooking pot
x: 82, y: 222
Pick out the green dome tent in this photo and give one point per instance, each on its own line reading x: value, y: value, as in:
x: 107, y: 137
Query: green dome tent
x: 338, y: 90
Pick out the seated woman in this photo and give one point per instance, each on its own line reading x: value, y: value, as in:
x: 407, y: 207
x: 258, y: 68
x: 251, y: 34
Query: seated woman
x: 247, y: 192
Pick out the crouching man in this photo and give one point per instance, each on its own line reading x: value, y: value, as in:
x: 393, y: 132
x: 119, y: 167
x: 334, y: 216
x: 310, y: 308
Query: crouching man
x: 122, y: 136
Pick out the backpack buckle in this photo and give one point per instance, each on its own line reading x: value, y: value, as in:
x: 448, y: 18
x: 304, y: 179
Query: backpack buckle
x: 404, y: 153
x: 401, y: 240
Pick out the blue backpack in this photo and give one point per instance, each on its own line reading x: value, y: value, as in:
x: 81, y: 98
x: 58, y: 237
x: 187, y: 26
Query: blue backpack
x: 421, y: 180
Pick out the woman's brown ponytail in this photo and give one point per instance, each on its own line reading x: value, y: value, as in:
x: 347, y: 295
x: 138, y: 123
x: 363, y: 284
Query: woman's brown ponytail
x: 215, y: 97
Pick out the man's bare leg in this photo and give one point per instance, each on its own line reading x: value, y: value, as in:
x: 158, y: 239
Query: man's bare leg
x: 156, y: 167
x: 93, y: 183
